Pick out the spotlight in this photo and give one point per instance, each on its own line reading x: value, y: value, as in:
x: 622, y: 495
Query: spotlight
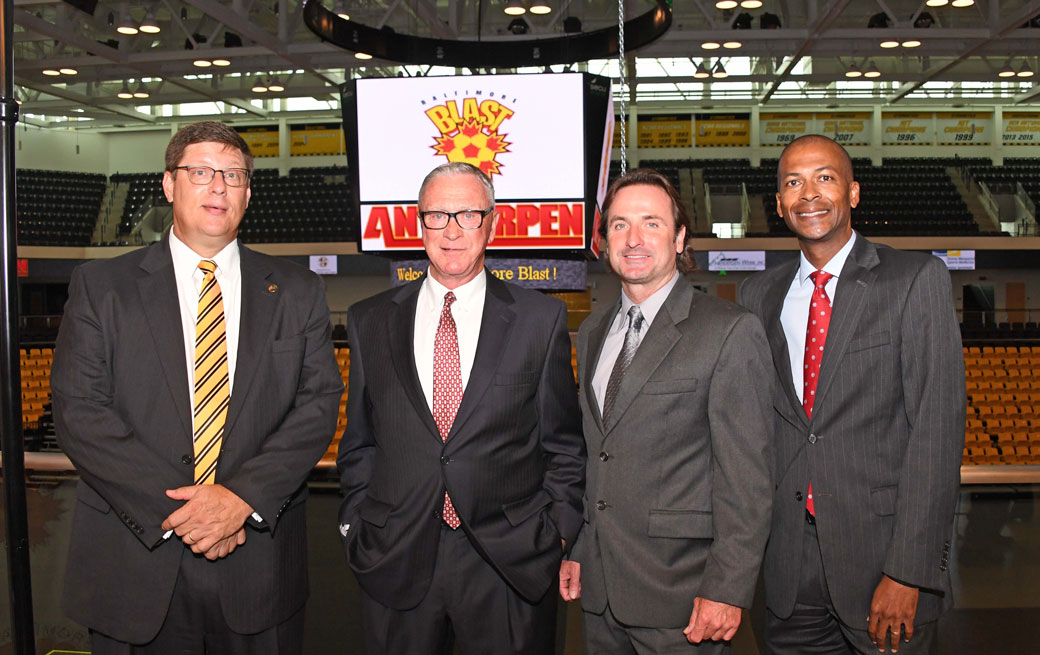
x: 1007, y: 70
x: 362, y: 55
x: 141, y: 91
x: 853, y: 71
x: 937, y: 3
x: 726, y: 4
x: 742, y: 21
x: 924, y: 20
x: 710, y: 45
x: 540, y: 7
x: 125, y: 26
x: 751, y: 4
x: 51, y: 72
x: 220, y: 61
x: 202, y: 63
x: 125, y: 92
x: 73, y: 71
x: 768, y: 21
x: 274, y: 86
x: 962, y: 3
x: 518, y: 26
x: 911, y: 43
x: 701, y: 72
x: 571, y: 25
x: 1025, y: 71
x: 719, y: 72
x: 879, y: 19
x: 149, y: 25
x: 515, y: 8
x: 890, y: 43
x: 731, y: 45
x: 259, y: 86
x: 872, y: 71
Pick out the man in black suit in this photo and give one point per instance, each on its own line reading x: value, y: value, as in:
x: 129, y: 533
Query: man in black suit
x: 870, y: 410
x: 195, y: 388
x: 462, y: 461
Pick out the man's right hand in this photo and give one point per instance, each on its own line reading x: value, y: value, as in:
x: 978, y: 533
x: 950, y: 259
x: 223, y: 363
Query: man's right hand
x: 570, y: 580
x: 226, y: 546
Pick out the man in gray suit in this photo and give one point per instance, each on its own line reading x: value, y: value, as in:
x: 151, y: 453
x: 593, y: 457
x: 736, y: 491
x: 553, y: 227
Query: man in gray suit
x: 869, y: 424
x: 675, y: 401
x: 195, y: 388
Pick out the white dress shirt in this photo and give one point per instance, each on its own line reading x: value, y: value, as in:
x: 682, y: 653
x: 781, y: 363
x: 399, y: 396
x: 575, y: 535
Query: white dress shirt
x: 615, y: 338
x: 189, y: 285
x: 467, y: 310
x: 795, y: 315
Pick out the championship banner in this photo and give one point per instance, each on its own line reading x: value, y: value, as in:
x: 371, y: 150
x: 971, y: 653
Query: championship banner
x: 666, y: 131
x: 262, y: 140
x: 555, y: 274
x: 777, y: 129
x: 1021, y: 128
x: 907, y: 128
x: 722, y: 130
x: 516, y: 128
x: 963, y: 128
x: 848, y: 129
x: 316, y: 139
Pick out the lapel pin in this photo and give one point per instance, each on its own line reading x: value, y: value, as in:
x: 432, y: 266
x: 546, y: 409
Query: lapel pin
x: 272, y: 288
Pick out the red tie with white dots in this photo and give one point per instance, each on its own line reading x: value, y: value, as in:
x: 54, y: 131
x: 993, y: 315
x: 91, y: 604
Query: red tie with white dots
x: 815, y: 338
x: 447, y: 387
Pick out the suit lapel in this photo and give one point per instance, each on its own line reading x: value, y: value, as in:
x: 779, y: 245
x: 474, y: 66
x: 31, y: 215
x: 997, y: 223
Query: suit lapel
x: 162, y: 311
x: 495, y: 325
x: 258, y: 312
x: 401, y: 329
x: 653, y: 349
x: 856, y: 278
x: 592, y: 348
x: 774, y: 305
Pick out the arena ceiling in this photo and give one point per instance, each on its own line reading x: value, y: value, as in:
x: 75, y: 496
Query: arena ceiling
x: 804, y: 60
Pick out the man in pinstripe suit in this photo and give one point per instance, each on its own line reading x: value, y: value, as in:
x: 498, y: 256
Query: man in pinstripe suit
x: 868, y: 452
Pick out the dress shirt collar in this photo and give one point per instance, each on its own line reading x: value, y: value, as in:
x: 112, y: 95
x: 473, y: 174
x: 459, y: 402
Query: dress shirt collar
x: 465, y: 295
x: 834, y: 266
x: 648, y: 307
x: 186, y: 261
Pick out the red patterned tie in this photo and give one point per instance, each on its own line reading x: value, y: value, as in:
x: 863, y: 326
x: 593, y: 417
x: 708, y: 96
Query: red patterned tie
x: 447, y: 386
x: 815, y: 338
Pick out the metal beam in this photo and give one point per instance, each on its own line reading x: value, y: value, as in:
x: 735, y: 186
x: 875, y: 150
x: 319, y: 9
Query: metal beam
x: 816, y: 28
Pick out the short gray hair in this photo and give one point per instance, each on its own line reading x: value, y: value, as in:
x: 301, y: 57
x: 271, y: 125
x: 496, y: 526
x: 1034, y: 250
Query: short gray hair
x: 460, y: 168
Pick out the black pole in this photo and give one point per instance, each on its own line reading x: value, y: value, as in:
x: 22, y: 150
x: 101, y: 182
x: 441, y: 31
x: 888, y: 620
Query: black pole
x: 20, y: 584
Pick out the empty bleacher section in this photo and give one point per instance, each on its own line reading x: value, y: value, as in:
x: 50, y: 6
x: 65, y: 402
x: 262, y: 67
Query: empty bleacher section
x: 1003, y: 425
x: 308, y: 205
x: 56, y: 208
x: 1004, y: 179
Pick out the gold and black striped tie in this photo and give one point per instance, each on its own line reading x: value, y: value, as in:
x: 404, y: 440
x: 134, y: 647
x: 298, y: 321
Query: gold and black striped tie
x: 212, y: 393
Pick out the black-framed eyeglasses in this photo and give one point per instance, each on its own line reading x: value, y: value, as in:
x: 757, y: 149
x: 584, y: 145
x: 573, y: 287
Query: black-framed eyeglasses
x: 467, y: 219
x: 236, y: 177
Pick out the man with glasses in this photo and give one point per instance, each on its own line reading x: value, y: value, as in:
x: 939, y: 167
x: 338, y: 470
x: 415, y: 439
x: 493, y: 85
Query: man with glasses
x: 195, y: 388
x: 462, y: 462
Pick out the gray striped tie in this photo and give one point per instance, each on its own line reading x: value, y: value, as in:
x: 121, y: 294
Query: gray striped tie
x: 624, y: 358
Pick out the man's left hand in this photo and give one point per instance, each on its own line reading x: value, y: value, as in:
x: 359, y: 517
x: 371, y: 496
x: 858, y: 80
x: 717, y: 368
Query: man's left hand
x: 211, y: 514
x: 893, y: 608
x: 712, y: 621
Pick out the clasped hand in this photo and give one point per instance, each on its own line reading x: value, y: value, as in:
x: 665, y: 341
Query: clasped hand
x: 212, y: 520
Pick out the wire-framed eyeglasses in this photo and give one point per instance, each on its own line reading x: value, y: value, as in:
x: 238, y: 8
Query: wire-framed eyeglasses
x: 236, y: 177
x: 467, y: 219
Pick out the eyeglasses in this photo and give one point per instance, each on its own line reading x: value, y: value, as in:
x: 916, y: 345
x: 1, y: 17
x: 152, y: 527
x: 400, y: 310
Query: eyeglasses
x: 467, y: 219
x: 236, y: 177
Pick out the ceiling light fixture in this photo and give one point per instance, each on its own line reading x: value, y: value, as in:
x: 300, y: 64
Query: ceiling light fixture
x: 1007, y: 70
x: 259, y: 86
x: 514, y: 8
x: 125, y: 92
x: 149, y: 25
x: 341, y: 11
x: 52, y: 72
x: 726, y: 4
x: 911, y: 43
x: 274, y: 86
x: 68, y: 71
x: 220, y: 61
x: 1025, y: 71
x: 125, y: 25
x: 141, y: 91
x: 853, y: 71
x: 889, y: 43
x: 710, y: 45
x: 540, y: 7
x: 962, y: 3
x: 937, y: 3
x: 719, y: 72
x: 202, y: 63
x: 731, y: 45
x: 362, y: 55
x: 751, y: 4
x: 872, y: 71
x: 701, y: 72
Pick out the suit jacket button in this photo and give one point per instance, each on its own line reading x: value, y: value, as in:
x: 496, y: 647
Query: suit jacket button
x: 445, y: 460
x: 798, y: 495
x: 812, y: 438
x: 600, y: 505
x: 603, y: 456
x: 186, y: 459
x: 437, y: 514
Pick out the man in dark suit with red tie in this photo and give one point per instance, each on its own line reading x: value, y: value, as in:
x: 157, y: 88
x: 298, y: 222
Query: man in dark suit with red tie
x: 462, y: 462
x: 869, y: 419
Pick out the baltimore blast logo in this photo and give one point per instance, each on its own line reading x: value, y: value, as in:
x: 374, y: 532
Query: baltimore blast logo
x: 472, y: 136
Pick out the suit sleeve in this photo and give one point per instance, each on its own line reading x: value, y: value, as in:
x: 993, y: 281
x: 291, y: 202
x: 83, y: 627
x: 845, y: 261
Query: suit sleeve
x: 934, y: 399
x: 108, y: 456
x: 561, y: 436
x: 740, y: 407
x: 269, y: 479
x: 356, y: 455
